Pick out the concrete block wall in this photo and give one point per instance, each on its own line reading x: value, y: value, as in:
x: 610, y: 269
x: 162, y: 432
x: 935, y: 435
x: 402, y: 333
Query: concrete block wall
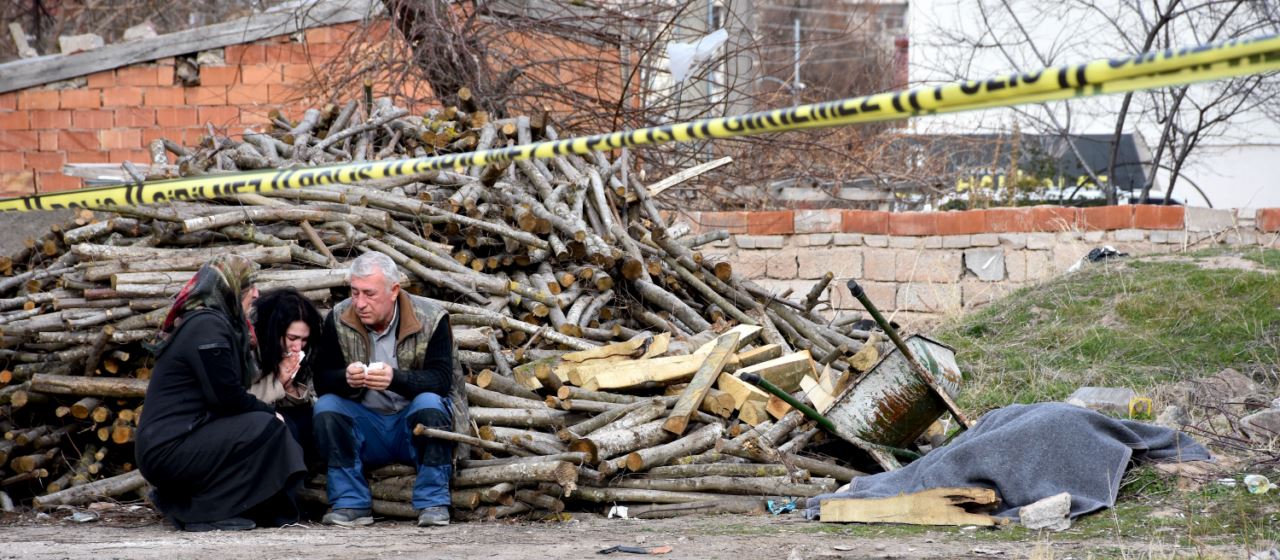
x: 924, y: 266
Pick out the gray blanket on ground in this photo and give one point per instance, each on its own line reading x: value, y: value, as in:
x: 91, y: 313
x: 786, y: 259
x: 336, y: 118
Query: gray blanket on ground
x: 1029, y: 452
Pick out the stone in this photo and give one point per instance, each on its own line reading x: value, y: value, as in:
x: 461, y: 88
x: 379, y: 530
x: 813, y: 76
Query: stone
x: 929, y: 266
x: 812, y: 240
x: 844, y: 239
x: 1094, y: 236
x: 933, y: 242
x: 1163, y: 236
x: 977, y: 293
x: 987, y: 263
x: 844, y: 263
x: 144, y: 30
x: 759, y: 241
x: 876, y: 240
x: 1016, y: 263
x: 930, y: 298
x: 68, y: 44
x: 782, y: 264
x: 902, y: 242
x: 955, y: 242
x: 1130, y: 235
x: 1173, y: 417
x: 1225, y: 386
x: 751, y: 264
x: 1038, y: 266
x: 1262, y: 426
x: 1015, y: 240
x: 984, y: 240
x: 1050, y: 513
x: 1275, y: 403
x: 1041, y: 241
x: 1109, y: 400
x: 879, y: 264
x: 818, y: 221
x: 883, y: 295
x: 1242, y: 237
x: 1209, y: 219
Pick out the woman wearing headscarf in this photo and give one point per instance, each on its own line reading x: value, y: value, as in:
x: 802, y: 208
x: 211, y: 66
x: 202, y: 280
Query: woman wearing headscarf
x: 285, y: 322
x: 218, y: 458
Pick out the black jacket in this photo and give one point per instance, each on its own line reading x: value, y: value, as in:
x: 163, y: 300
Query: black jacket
x: 196, y: 379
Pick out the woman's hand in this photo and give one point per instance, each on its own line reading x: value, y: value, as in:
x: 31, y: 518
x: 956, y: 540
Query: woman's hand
x: 288, y: 370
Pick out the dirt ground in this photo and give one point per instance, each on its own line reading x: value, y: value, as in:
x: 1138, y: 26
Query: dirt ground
x: 787, y: 537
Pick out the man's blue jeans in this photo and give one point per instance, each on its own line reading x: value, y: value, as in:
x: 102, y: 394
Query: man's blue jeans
x: 349, y: 436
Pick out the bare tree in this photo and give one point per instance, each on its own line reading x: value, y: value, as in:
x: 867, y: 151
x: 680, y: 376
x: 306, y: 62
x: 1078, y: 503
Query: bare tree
x: 1025, y: 35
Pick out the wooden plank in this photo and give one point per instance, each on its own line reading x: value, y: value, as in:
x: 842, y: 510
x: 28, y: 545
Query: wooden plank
x: 742, y: 391
x: 25, y: 73
x: 657, y: 188
x: 637, y: 373
x: 821, y: 399
x: 937, y: 506
x: 692, y: 397
x: 784, y: 372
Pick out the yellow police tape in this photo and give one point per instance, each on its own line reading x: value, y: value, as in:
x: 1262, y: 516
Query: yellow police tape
x: 1101, y: 77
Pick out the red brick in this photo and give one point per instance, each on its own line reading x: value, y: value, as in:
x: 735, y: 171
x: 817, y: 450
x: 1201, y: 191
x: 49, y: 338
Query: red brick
x: 328, y: 34
x: 1053, y: 218
x: 913, y: 223
x: 121, y: 138
x: 1007, y: 220
x: 87, y: 156
x: 733, y: 222
x: 136, y: 116
x: 781, y: 222
x: 322, y: 54
x: 78, y: 140
x: 283, y: 94
x: 80, y: 99
x: 48, y: 140
x: 1269, y: 219
x: 12, y: 161
x: 297, y: 73
x: 15, y: 120
x: 248, y: 95
x: 95, y: 120
x: 1153, y: 216
x: 219, y: 75
x: 135, y: 156
x: 164, y: 74
x: 178, y: 116
x: 218, y: 116
x: 163, y: 96
x: 961, y: 222
x: 122, y: 96
x: 250, y: 116
x: 138, y: 76
x: 17, y: 140
x: 207, y: 95
x: 1106, y: 217
x: 104, y: 79
x: 37, y: 99
x: 9, y: 101
x: 865, y: 221
x: 245, y: 54
x: 262, y: 74
x: 50, y: 119
x: 56, y: 182
x: 288, y: 53
x: 17, y: 184
x: 46, y: 161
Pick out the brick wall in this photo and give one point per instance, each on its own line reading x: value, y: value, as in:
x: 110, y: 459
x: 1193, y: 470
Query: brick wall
x: 111, y: 116
x: 929, y: 265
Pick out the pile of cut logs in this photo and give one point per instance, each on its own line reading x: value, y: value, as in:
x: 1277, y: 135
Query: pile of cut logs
x: 602, y: 348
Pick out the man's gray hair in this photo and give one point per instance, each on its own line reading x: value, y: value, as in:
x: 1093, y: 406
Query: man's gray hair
x: 373, y: 261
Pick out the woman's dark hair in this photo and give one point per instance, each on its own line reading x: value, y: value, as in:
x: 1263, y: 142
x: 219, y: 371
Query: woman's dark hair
x: 276, y: 310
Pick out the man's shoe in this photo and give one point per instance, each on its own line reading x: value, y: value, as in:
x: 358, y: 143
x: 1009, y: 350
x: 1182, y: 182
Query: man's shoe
x: 433, y: 517
x: 229, y: 524
x: 348, y: 518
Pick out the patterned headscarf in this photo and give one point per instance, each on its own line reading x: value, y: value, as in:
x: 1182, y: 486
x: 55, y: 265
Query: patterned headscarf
x: 217, y: 286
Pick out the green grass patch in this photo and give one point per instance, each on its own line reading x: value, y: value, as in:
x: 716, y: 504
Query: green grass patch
x: 1135, y: 323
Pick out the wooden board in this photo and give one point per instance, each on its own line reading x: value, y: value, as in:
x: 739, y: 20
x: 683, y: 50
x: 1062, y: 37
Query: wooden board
x: 938, y: 506
x: 784, y: 372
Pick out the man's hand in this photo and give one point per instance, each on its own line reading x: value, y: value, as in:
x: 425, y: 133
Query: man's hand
x: 356, y: 375
x: 378, y: 377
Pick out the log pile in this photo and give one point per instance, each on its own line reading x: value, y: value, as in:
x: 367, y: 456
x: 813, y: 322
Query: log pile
x: 601, y: 345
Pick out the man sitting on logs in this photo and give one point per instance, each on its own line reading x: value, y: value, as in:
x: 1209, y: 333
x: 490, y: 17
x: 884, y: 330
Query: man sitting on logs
x: 385, y: 363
